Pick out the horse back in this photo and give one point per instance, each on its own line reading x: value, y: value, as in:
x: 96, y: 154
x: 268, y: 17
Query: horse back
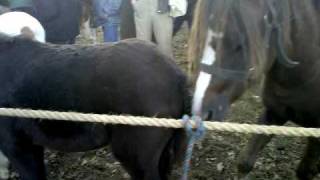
x: 93, y: 78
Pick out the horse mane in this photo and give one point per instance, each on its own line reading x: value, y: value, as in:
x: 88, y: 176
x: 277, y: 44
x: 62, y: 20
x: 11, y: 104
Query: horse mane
x: 198, y: 33
x: 204, y: 11
x: 256, y: 42
x: 306, y: 18
x: 295, y: 17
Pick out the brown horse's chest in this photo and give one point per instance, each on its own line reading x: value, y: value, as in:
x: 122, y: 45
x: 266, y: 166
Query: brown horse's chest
x: 300, y: 105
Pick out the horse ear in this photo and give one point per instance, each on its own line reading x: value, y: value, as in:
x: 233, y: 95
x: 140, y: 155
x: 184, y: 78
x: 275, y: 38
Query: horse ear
x: 27, y: 33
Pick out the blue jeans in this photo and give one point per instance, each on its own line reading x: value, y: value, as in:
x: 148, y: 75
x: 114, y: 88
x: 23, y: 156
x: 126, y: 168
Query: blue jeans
x: 110, y: 32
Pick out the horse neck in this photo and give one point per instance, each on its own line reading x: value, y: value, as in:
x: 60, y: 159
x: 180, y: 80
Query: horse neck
x: 302, y: 45
x: 306, y: 72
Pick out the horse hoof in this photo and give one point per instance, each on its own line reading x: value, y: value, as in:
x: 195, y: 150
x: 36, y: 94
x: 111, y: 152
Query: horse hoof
x: 306, y: 174
x: 243, y: 176
x: 244, y: 168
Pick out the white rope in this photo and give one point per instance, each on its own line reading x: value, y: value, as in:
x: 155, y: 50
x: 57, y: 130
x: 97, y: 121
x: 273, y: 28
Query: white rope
x: 159, y: 122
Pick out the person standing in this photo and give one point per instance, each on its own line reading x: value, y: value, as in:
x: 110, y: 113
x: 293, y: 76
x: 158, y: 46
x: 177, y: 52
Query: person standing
x: 107, y: 15
x: 60, y: 18
x: 152, y: 17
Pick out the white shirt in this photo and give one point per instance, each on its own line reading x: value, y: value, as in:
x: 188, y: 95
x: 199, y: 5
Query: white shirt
x: 178, y: 7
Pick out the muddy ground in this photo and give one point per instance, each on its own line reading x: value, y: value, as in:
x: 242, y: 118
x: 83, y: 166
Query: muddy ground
x: 213, y: 159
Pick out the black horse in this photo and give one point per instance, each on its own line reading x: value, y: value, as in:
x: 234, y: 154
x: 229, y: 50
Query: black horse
x: 241, y: 40
x: 129, y: 77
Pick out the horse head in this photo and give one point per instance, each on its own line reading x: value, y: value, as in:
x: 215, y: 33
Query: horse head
x: 243, y: 38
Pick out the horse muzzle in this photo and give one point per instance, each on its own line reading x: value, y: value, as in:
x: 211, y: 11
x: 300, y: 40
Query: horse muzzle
x: 216, y: 109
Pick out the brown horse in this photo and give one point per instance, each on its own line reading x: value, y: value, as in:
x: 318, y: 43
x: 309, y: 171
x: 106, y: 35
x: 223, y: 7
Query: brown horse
x: 241, y: 40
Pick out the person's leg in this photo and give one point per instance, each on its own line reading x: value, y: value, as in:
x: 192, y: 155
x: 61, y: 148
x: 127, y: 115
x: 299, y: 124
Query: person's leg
x: 127, y: 26
x: 163, y: 29
x: 110, y: 32
x: 178, y: 22
x: 142, y: 18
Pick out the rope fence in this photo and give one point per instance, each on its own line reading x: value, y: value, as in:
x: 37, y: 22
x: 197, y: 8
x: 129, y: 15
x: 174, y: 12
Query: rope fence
x: 159, y: 122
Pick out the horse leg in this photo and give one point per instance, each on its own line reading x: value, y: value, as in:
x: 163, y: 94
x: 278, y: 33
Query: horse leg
x: 308, y: 167
x: 256, y: 143
x: 26, y: 159
x: 140, y: 150
x: 4, y: 167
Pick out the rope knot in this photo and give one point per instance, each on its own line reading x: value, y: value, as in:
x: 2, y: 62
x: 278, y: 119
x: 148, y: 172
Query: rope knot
x: 194, y: 127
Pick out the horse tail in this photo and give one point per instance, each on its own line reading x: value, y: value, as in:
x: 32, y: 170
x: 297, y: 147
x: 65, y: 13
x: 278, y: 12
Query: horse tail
x: 198, y: 34
x: 180, y: 136
x: 175, y: 149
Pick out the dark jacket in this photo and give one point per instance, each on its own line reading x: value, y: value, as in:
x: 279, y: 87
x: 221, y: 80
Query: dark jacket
x: 60, y: 18
x: 163, y: 6
x: 4, y: 3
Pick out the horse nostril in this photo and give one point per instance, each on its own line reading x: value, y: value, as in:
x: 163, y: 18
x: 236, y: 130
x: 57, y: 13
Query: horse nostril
x: 207, y: 116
